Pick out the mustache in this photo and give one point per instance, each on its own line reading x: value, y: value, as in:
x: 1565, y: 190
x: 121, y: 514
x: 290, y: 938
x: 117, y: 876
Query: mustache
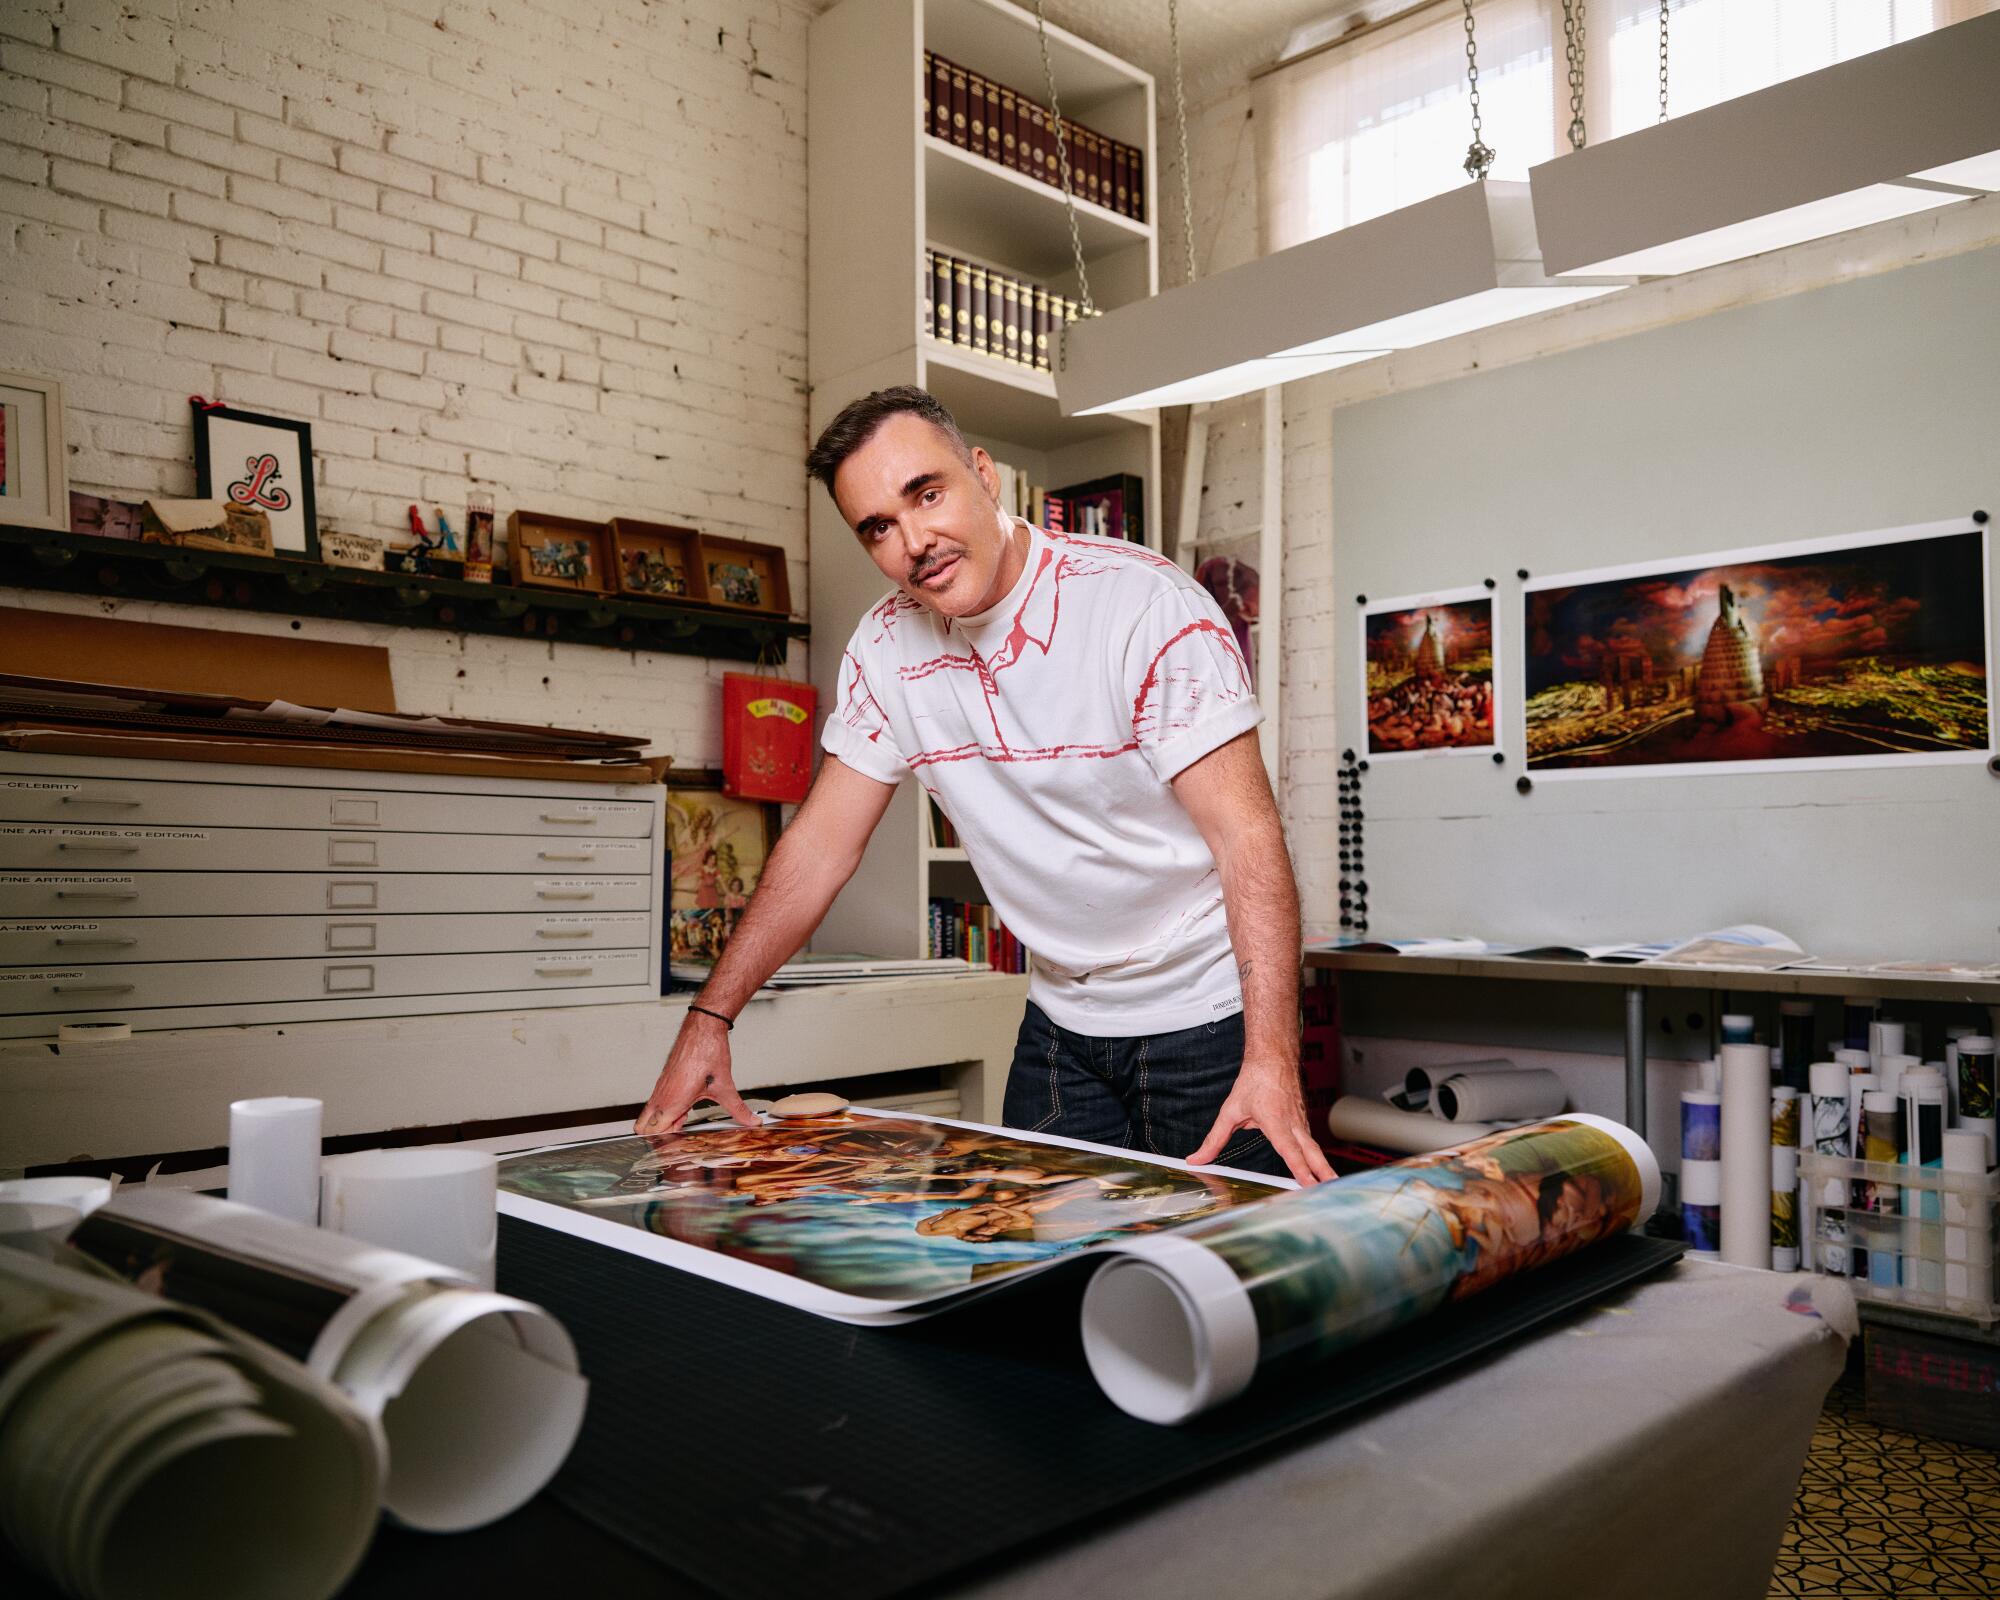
x: 922, y: 571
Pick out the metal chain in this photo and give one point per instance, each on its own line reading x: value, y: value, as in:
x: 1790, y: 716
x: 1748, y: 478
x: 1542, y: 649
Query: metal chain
x: 1068, y: 188
x: 1479, y: 154
x: 1663, y: 60
x: 1180, y: 117
x: 1573, y: 54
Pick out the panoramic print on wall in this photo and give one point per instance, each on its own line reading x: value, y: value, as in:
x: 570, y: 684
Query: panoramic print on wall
x: 1427, y: 663
x: 1867, y: 649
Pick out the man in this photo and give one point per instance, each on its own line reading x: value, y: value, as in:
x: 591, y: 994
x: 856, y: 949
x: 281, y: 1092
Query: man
x: 1079, y: 710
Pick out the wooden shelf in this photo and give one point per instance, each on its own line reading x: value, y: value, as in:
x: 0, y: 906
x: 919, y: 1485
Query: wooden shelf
x: 34, y: 558
x: 976, y: 205
x: 1734, y: 980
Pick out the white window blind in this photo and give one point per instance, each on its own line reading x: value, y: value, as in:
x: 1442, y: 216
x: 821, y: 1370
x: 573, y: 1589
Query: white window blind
x: 1718, y: 49
x: 1369, y: 127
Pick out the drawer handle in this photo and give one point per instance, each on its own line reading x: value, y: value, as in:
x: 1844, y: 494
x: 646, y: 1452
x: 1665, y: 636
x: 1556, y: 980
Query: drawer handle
x: 563, y: 972
x: 94, y: 988
x: 108, y: 942
x: 573, y: 822
x: 100, y: 800
x: 564, y: 855
x: 565, y: 894
x: 552, y: 933
x: 101, y: 849
x: 97, y: 894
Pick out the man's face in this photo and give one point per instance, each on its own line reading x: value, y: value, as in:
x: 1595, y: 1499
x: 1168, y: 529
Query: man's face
x: 929, y: 519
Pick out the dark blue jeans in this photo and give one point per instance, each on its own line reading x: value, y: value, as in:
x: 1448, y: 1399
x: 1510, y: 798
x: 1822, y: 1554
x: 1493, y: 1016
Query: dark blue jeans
x: 1158, y: 1092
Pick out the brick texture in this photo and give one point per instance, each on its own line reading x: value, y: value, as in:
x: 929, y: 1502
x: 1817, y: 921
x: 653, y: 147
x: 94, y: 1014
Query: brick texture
x: 468, y: 243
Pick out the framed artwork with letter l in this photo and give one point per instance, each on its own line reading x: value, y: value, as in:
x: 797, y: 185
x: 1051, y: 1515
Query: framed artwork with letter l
x: 262, y: 464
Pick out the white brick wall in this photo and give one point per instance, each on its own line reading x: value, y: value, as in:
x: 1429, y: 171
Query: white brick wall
x: 554, y: 251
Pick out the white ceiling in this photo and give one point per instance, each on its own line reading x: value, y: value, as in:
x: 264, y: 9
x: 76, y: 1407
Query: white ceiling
x: 1222, y: 41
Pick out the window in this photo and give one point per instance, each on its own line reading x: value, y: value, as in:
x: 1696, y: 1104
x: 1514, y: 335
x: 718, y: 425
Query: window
x: 1360, y: 129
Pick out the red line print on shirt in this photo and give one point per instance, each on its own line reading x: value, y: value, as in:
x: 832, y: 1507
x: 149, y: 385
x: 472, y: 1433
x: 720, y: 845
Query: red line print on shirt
x: 1077, y: 559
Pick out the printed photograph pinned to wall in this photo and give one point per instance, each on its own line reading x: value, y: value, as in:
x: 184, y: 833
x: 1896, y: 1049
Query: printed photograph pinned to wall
x: 34, y: 467
x: 716, y: 846
x: 259, y: 463
x: 1430, y: 674
x: 1233, y: 584
x: 1867, y: 649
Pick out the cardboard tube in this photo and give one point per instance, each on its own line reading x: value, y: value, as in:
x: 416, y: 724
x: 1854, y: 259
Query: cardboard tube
x: 1746, y: 1155
x: 1968, y: 1225
x: 1411, y: 1133
x: 1419, y: 1082
x: 438, y: 1203
x: 1701, y: 1171
x: 1784, y: 1179
x: 1830, y: 1137
x: 1501, y: 1096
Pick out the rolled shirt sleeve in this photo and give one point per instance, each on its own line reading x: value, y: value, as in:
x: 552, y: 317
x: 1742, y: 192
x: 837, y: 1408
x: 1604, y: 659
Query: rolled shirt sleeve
x: 1189, y: 686
x: 857, y: 730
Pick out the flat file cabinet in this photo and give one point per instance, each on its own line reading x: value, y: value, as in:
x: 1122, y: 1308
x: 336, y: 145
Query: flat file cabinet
x: 172, y: 894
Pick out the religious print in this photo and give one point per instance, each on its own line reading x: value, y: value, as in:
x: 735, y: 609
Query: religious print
x: 1429, y: 668
x: 860, y: 1215
x: 259, y: 463
x: 1868, y: 649
x: 716, y: 844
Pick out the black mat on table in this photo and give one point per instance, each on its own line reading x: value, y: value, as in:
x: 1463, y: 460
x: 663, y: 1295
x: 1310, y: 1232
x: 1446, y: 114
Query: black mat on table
x: 762, y: 1453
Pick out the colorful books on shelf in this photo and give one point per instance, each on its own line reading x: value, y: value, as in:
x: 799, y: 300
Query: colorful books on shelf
x: 943, y: 835
x: 970, y: 110
x: 1110, y: 508
x: 971, y: 931
x: 993, y: 313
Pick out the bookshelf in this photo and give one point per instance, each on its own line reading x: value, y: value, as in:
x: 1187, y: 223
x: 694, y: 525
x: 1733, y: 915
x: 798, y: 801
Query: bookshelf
x: 881, y: 190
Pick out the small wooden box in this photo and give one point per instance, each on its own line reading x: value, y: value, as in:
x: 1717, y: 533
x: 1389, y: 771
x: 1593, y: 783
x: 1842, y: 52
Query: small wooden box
x: 656, y: 561
x: 741, y: 576
x: 552, y: 552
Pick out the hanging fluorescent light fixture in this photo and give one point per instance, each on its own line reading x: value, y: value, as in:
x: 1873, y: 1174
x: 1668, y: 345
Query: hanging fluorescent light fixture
x: 1461, y: 261
x: 1903, y: 129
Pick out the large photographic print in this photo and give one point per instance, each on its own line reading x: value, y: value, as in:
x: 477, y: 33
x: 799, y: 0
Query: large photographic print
x: 1427, y: 661
x: 1870, y: 649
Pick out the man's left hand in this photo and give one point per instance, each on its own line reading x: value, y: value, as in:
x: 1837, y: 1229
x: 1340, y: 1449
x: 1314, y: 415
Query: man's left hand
x: 1268, y: 1099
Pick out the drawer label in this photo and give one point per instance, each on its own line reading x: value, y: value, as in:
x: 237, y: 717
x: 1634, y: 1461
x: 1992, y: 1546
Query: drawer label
x: 18, y: 976
x: 614, y: 919
x: 199, y: 835
x: 50, y: 927
x: 581, y: 883
x: 64, y: 880
x: 40, y: 785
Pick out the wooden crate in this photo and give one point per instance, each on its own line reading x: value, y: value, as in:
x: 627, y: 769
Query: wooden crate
x: 733, y: 569
x: 565, y: 542
x: 657, y: 561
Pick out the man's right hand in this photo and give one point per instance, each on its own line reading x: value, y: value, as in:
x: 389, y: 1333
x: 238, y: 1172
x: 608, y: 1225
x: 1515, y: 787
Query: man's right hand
x: 697, y: 1069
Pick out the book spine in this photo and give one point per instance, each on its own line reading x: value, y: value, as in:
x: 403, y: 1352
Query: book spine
x: 940, y: 98
x: 1010, y: 129
x: 1100, y: 167
x: 960, y: 101
x: 1058, y: 316
x: 975, y: 111
x: 1040, y: 349
x: 1037, y: 134
x: 996, y: 314
x: 961, y: 303
x: 930, y: 66
x: 942, y: 325
x: 979, y: 324
x: 1137, y: 159
x: 930, y: 291
x: 1011, y: 318
x: 992, y: 120
x: 1121, y: 179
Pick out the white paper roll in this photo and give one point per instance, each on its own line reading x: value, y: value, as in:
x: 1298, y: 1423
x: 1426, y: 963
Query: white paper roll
x: 274, y: 1156
x: 1738, y: 1027
x: 440, y: 1203
x: 1885, y: 1039
x: 1418, y: 1082
x: 1701, y: 1183
x: 1746, y: 1155
x: 1853, y: 1060
x: 1968, y: 1231
x: 1411, y: 1133
x: 1500, y: 1096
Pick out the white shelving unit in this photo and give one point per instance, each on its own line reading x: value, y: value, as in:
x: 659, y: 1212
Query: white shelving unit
x: 882, y: 190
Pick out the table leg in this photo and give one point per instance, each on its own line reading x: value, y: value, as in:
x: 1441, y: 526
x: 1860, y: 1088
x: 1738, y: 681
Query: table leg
x: 1635, y: 1059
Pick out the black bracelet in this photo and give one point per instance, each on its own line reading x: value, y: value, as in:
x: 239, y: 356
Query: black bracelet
x: 727, y: 1022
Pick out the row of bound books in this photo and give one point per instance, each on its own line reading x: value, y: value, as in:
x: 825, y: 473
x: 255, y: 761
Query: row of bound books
x: 983, y: 309
x: 971, y: 932
x: 989, y: 119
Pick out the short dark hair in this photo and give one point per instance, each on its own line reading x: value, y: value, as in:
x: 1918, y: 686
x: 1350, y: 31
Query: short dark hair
x: 859, y: 419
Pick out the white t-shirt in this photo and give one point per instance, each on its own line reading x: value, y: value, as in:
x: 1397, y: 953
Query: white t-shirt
x: 1047, y: 728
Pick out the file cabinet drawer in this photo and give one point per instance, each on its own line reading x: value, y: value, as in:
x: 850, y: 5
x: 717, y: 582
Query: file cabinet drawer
x: 128, y: 939
x: 104, y: 990
x: 52, y: 847
x: 71, y: 800
x: 69, y: 896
